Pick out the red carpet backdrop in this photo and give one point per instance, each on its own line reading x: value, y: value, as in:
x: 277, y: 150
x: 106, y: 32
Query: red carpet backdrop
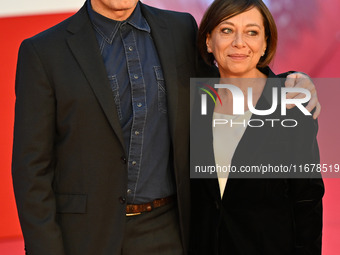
x: 309, y: 41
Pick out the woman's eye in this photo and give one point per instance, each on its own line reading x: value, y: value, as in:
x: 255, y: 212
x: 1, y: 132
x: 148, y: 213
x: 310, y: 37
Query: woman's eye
x: 227, y: 30
x: 253, y: 33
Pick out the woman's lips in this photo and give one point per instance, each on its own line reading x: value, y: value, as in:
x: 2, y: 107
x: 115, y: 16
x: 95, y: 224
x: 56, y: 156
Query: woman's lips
x: 238, y: 56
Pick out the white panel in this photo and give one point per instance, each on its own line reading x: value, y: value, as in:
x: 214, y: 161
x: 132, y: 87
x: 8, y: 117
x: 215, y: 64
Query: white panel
x: 32, y: 7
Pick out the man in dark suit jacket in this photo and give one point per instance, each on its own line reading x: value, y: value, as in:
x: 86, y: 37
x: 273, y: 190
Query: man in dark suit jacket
x: 71, y: 164
x: 80, y: 168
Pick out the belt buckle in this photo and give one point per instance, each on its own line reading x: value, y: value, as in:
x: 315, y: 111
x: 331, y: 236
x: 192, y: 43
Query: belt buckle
x: 132, y: 214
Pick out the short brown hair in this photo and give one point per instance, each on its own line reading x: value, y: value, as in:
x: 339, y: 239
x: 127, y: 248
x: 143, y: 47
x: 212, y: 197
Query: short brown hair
x: 221, y: 10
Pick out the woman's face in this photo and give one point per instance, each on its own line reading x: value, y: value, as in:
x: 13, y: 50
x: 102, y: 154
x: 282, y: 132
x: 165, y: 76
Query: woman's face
x: 238, y: 44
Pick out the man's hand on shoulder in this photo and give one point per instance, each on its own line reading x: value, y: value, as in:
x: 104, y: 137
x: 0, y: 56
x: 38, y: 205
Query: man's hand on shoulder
x: 301, y: 80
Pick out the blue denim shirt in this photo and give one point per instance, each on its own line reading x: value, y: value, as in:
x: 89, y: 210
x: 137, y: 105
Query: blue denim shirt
x: 139, y: 91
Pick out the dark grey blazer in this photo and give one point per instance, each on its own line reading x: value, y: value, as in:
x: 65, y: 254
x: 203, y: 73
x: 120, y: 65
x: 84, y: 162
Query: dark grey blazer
x: 260, y: 216
x: 69, y: 163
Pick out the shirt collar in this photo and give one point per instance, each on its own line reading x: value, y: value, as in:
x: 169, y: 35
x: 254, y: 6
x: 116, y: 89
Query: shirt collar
x: 108, y: 28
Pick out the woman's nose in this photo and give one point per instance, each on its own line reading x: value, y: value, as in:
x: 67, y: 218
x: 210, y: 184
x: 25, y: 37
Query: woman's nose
x: 238, y: 41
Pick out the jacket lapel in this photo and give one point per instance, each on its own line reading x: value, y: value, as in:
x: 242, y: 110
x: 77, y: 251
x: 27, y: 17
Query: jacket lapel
x: 163, y: 40
x: 212, y: 183
x: 255, y: 138
x: 252, y: 140
x: 85, y: 49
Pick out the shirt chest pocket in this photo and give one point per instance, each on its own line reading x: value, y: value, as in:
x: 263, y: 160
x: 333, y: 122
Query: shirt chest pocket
x: 115, y: 91
x: 162, y: 104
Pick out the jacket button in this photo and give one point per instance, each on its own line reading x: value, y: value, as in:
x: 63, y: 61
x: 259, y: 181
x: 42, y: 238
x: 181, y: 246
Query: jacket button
x: 123, y: 160
x: 122, y: 200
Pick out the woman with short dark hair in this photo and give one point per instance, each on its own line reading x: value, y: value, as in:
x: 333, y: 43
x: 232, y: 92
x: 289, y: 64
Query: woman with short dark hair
x: 239, y: 215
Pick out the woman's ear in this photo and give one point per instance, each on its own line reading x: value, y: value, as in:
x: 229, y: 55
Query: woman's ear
x: 265, y: 46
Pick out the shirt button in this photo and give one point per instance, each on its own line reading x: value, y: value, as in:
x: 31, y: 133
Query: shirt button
x: 130, y: 48
x: 135, y: 76
x: 139, y: 105
x: 123, y: 160
x: 134, y: 163
x: 136, y: 132
x: 129, y: 191
x: 122, y: 200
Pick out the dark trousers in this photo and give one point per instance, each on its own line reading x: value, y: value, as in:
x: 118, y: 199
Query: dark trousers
x: 155, y: 233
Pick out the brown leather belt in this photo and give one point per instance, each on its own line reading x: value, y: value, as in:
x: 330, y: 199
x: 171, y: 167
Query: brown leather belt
x: 132, y: 210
